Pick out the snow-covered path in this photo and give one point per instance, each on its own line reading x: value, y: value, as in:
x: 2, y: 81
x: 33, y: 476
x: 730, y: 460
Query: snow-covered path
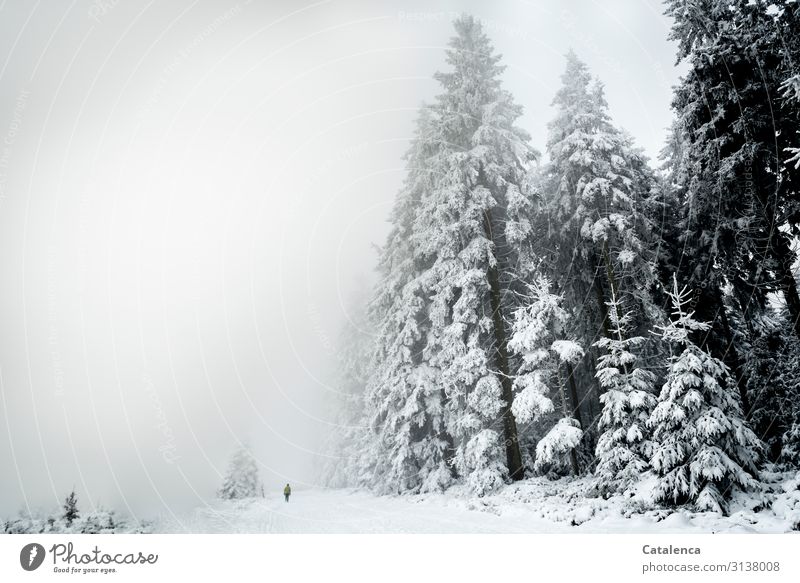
x: 340, y: 511
x: 530, y: 507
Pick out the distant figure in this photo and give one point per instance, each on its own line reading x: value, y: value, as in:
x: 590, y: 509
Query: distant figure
x: 287, y: 492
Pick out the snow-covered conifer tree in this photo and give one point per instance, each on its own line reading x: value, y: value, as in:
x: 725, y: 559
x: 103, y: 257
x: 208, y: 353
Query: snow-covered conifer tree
x: 596, y: 190
x: 624, y: 446
x: 348, y: 437
x: 739, y: 121
x: 242, y: 479
x: 596, y: 186
x: 736, y: 190
x: 539, y: 338
x: 474, y: 228
x: 407, y: 448
x: 70, y: 509
x: 703, y: 448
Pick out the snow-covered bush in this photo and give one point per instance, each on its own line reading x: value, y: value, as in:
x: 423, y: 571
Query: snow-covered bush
x: 99, y: 521
x: 30, y: 525
x: 480, y: 460
x: 553, y: 449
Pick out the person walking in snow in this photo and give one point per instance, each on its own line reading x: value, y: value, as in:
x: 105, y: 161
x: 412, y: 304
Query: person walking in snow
x: 287, y: 491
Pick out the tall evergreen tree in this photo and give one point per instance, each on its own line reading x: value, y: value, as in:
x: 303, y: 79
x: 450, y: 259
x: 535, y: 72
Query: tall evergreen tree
x: 440, y: 395
x: 474, y: 227
x: 740, y: 196
x: 348, y: 439
x: 597, y: 187
x: 408, y: 448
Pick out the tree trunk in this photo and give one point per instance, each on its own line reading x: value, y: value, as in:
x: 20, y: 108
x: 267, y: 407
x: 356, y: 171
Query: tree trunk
x: 612, y: 279
x: 573, y: 462
x: 576, y: 414
x: 513, y: 454
x: 732, y: 359
x: 785, y: 259
x: 573, y: 390
x: 573, y: 395
x: 450, y: 447
x: 719, y: 340
x: 594, y: 398
x: 600, y: 295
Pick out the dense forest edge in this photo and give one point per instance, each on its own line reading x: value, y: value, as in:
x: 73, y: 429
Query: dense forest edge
x: 590, y: 312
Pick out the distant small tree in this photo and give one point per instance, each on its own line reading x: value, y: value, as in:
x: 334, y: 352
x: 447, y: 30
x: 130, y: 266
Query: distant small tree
x: 242, y: 479
x: 71, y: 509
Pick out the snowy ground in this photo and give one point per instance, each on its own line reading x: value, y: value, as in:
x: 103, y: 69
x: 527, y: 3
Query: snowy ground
x: 533, y: 506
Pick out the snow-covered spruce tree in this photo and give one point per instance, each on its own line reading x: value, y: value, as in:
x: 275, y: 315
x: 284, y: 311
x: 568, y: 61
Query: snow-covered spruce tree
x: 348, y: 437
x: 407, y: 448
x: 70, y: 509
x: 703, y: 448
x: 474, y: 228
x: 693, y: 240
x: 624, y: 446
x: 538, y: 336
x: 242, y: 479
x: 596, y: 189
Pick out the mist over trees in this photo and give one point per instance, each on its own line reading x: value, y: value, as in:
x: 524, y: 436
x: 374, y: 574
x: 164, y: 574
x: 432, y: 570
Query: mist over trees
x: 590, y: 311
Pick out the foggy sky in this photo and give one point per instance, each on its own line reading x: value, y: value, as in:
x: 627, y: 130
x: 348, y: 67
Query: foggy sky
x: 190, y: 193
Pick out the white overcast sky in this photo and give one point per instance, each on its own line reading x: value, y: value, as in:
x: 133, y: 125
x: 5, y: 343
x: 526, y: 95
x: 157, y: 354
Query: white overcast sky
x: 190, y: 192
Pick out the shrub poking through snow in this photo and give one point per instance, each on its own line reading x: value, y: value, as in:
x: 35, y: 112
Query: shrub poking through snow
x: 553, y: 448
